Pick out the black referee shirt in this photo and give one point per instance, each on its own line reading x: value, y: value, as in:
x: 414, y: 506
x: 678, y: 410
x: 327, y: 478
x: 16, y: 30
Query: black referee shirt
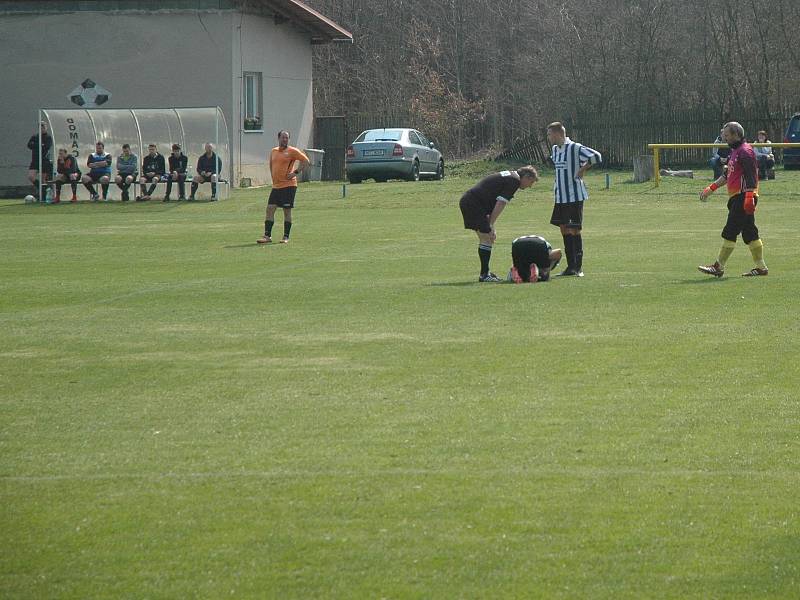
x: 493, y: 188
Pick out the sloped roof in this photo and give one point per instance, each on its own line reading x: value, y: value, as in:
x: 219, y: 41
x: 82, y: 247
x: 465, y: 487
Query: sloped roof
x: 321, y: 28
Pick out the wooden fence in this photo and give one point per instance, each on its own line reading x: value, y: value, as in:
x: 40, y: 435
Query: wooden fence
x: 621, y: 137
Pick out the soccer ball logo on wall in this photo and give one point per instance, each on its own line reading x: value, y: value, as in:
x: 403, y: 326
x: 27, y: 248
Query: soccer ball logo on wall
x: 88, y: 94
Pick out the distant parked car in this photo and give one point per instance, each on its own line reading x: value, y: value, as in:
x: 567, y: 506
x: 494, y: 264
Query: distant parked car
x: 791, y: 156
x: 393, y: 154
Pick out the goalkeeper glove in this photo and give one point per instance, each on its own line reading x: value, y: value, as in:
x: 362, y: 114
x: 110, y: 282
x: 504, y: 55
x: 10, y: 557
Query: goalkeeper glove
x: 749, y: 203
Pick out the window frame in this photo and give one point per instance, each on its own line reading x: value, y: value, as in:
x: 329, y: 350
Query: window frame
x: 252, y: 107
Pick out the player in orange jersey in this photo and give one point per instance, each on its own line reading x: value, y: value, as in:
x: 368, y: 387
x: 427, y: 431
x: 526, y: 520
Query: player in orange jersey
x: 285, y: 164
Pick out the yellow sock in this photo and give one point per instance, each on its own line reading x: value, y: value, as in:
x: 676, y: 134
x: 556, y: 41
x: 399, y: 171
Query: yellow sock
x: 757, y: 250
x: 725, y: 252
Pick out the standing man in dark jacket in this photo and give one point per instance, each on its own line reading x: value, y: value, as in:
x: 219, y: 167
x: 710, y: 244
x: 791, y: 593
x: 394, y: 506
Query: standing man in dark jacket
x: 34, y: 176
x: 153, y: 168
x: 209, y: 166
x: 177, y: 172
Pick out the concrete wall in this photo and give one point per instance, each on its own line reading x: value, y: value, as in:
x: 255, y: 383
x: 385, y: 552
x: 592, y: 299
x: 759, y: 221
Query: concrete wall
x: 283, y: 56
x: 162, y: 59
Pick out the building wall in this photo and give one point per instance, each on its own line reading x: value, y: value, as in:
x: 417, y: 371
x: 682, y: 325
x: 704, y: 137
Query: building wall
x: 283, y: 55
x: 162, y: 59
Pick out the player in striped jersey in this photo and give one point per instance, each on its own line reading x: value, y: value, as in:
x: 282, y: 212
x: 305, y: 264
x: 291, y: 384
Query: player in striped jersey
x: 571, y: 160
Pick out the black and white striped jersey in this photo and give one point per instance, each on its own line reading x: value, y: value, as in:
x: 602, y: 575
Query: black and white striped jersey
x: 568, y: 159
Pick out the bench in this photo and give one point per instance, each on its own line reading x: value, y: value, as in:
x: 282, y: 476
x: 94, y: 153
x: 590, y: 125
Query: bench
x: 114, y: 193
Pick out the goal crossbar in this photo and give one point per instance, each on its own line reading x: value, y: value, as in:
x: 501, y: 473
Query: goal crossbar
x: 656, y: 148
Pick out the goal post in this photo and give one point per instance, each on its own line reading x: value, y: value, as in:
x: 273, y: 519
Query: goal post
x: 656, y: 148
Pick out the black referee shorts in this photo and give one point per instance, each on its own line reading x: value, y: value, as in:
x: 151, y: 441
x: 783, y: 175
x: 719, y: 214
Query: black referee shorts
x: 474, y: 216
x: 569, y: 214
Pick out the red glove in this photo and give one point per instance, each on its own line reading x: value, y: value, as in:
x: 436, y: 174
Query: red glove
x: 749, y: 203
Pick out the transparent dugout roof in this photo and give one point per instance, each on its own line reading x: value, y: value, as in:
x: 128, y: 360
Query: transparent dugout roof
x: 78, y: 130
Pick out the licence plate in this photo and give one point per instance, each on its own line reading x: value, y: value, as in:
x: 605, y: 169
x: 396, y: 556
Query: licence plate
x: 373, y: 152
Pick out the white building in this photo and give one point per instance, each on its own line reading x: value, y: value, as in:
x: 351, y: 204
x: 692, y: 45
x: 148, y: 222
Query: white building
x: 252, y: 58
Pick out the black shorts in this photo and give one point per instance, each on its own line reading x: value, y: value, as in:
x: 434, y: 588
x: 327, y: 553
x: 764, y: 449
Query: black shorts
x: 95, y: 177
x: 569, y: 214
x: 152, y: 179
x: 283, y: 197
x: 47, y: 165
x: 739, y: 222
x: 66, y: 177
x: 474, y: 217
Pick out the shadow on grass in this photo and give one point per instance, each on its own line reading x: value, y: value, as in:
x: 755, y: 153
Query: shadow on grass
x: 701, y: 281
x: 452, y: 283
x: 248, y: 245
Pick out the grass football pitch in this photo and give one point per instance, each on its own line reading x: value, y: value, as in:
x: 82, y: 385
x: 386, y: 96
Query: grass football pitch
x: 185, y: 414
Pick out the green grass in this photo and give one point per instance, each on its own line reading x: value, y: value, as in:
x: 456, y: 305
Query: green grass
x: 184, y: 414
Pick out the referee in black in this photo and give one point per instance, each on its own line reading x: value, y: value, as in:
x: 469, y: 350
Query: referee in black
x: 528, y: 251
x: 570, y: 160
x: 483, y: 203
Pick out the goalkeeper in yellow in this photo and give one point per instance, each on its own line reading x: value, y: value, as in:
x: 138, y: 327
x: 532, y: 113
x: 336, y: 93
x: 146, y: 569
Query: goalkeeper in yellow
x: 741, y: 181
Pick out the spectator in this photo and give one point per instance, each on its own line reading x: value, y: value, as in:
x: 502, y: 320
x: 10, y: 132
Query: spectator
x: 67, y: 172
x: 99, y: 163
x: 720, y: 157
x: 153, y: 169
x: 177, y: 172
x: 127, y: 170
x: 209, y: 166
x: 764, y: 156
x: 47, y: 164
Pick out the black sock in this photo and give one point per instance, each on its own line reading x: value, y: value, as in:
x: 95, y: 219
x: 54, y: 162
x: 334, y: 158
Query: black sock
x: 104, y: 187
x: 485, y: 253
x: 151, y: 190
x: 74, y: 187
x: 169, y: 188
x: 214, y: 189
x: 90, y: 187
x: 194, y: 189
x: 181, y: 187
x: 569, y: 250
x: 58, y: 188
x: 287, y: 227
x: 268, y: 228
x: 578, y: 252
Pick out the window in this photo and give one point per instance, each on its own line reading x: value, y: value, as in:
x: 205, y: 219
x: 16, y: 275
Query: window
x: 380, y: 135
x: 252, y: 102
x: 423, y: 139
x: 413, y: 138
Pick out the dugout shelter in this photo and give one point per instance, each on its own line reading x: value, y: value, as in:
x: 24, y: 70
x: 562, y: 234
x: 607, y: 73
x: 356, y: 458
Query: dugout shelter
x: 77, y: 130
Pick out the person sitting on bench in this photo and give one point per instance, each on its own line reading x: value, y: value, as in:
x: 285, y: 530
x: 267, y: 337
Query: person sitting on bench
x: 153, y: 168
x: 209, y: 166
x: 178, y: 162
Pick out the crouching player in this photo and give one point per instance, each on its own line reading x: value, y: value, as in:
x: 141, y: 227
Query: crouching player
x: 742, y: 184
x: 533, y: 258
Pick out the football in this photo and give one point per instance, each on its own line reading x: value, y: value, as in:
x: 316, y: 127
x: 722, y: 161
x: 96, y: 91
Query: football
x: 29, y: 199
x: 89, y: 95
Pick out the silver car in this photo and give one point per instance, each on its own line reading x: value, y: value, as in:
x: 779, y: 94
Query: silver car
x: 393, y: 154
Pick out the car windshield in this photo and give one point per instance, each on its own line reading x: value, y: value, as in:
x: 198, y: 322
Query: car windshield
x: 380, y: 135
x: 794, y: 126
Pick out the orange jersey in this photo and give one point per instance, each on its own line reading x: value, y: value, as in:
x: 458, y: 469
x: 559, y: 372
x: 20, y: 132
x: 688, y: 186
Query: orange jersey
x: 281, y: 163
